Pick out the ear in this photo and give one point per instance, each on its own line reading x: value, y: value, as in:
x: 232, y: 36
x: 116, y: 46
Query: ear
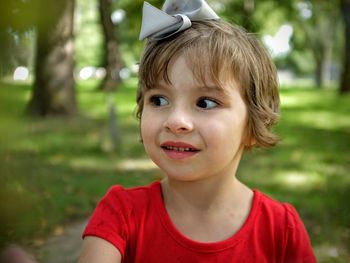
x: 252, y: 142
x: 249, y: 141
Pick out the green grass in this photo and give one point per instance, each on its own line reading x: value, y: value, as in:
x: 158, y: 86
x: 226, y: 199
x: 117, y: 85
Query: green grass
x: 54, y: 171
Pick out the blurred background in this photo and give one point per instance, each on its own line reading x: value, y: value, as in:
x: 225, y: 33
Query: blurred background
x: 68, y: 76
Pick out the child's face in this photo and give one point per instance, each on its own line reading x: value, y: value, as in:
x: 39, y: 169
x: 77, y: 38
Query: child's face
x: 193, y: 132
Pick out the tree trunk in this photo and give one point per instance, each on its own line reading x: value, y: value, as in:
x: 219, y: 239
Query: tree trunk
x: 112, y: 59
x: 345, y: 78
x: 320, y: 71
x: 53, y: 91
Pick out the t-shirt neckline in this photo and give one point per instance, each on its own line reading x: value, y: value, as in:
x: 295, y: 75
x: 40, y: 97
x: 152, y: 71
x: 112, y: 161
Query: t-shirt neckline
x: 183, y: 240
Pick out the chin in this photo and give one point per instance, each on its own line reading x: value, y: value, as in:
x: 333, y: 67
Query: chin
x: 182, y: 177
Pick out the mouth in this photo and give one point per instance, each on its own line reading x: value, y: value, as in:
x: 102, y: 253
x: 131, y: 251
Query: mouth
x: 179, y: 150
x: 179, y: 147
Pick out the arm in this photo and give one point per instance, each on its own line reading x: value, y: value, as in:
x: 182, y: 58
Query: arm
x: 97, y: 250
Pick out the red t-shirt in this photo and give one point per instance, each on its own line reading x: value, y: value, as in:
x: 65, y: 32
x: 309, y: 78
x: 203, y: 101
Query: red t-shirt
x: 135, y: 221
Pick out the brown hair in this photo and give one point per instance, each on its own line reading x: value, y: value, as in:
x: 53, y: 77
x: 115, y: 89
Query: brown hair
x: 227, y: 52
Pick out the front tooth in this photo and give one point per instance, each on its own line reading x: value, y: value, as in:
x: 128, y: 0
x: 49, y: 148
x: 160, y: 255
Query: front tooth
x: 173, y: 148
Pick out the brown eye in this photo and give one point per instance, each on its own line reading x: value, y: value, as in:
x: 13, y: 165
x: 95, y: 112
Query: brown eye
x: 158, y: 101
x: 206, y: 103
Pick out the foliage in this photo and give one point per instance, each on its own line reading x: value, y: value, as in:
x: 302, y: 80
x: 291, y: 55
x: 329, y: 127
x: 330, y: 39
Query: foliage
x: 128, y: 31
x: 317, y: 32
x: 255, y: 20
x: 16, y: 33
x: 15, y: 49
x: 88, y: 34
x: 55, y: 170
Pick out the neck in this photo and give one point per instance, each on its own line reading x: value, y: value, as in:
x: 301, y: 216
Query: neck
x: 203, y: 196
x: 206, y: 194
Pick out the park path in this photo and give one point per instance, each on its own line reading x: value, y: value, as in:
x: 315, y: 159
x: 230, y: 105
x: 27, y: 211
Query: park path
x: 64, y: 248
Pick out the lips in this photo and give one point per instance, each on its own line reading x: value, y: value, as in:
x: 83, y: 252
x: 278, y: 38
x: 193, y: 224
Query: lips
x: 178, y: 150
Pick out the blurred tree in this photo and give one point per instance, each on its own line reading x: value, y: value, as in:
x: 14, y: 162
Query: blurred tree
x: 53, y: 90
x: 251, y: 14
x: 345, y: 79
x: 240, y: 12
x: 7, y: 46
x: 88, y: 38
x: 128, y: 31
x: 16, y: 39
x: 112, y: 61
x: 315, y: 23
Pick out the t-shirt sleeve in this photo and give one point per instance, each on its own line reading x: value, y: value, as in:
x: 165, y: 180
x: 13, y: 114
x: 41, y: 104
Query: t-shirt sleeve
x: 108, y: 221
x: 298, y: 246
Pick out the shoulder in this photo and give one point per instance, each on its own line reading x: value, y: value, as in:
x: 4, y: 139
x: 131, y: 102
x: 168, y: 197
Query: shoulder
x: 282, y: 221
x: 280, y: 214
x: 121, y: 192
x: 285, y: 213
x: 130, y: 198
x: 118, y: 190
x: 116, y: 216
x: 271, y: 208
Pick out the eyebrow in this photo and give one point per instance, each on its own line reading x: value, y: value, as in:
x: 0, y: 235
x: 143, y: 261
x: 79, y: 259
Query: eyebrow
x: 213, y: 89
x: 208, y: 88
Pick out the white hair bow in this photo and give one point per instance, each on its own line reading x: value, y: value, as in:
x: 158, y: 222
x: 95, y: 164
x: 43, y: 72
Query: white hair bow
x: 175, y: 16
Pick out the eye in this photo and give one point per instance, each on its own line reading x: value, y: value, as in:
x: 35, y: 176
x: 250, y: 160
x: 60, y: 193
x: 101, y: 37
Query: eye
x: 206, y: 103
x: 158, y: 101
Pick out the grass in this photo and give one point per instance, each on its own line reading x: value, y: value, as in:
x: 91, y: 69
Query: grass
x: 54, y: 171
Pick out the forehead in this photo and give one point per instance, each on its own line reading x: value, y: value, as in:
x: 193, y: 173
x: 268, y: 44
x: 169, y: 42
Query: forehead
x: 181, y: 78
x: 184, y: 69
x: 187, y: 70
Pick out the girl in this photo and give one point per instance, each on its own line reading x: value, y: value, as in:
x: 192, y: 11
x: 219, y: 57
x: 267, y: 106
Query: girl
x: 207, y: 92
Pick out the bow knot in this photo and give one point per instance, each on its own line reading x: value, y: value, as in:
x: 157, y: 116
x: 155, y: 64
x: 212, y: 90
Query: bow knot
x: 175, y: 16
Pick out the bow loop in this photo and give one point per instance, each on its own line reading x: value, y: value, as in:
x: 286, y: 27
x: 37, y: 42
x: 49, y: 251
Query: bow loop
x: 175, y: 16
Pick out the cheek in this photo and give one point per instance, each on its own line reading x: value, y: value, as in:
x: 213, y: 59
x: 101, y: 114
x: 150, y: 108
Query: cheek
x: 143, y: 127
x: 147, y: 126
x: 229, y: 132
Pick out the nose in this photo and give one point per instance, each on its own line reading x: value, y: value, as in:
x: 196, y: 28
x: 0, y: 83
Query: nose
x: 179, y: 121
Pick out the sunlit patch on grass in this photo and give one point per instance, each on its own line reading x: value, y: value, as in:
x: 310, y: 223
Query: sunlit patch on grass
x: 124, y: 165
x: 300, y: 180
x: 305, y: 98
x: 91, y: 163
x: 136, y: 164
x: 289, y: 100
x: 324, y: 120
